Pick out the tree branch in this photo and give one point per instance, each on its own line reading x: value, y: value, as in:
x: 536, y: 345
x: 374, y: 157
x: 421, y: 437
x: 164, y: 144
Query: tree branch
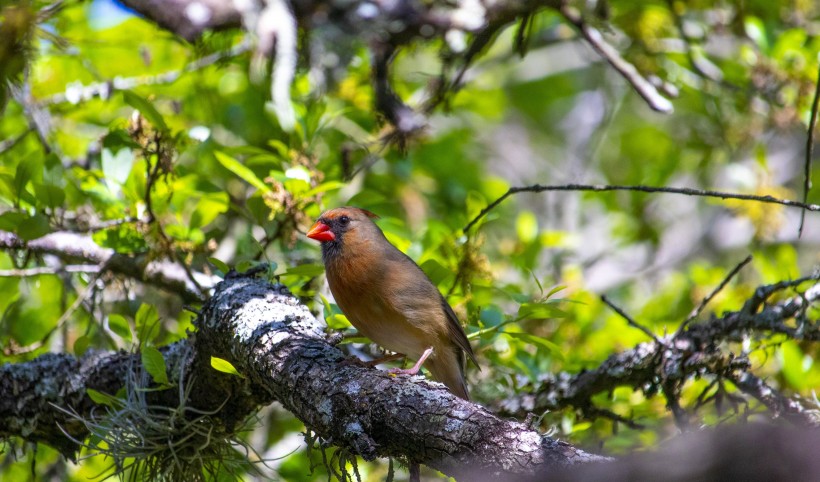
x: 282, y: 353
x: 687, y: 191
x: 628, y: 71
x: 71, y: 247
x: 698, y: 350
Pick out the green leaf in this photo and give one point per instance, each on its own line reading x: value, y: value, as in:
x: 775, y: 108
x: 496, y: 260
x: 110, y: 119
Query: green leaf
x: 326, y: 304
x: 101, y: 398
x: 147, y: 323
x: 224, y: 366
x: 337, y: 322
x: 436, y: 271
x: 124, y: 239
x: 245, y: 265
x: 81, y: 345
x: 208, y: 208
x: 119, y: 325
x: 117, y: 167
x: 34, y: 227
x: 556, y: 289
x: 537, y: 341
x: 154, y: 364
x: 325, y: 187
x: 50, y: 196
x: 221, y: 266
x: 756, y: 30
x: 146, y: 109
x: 308, y: 269
x: 547, y: 309
x: 241, y: 170
x: 27, y: 169
x: 491, y: 316
x: 11, y: 220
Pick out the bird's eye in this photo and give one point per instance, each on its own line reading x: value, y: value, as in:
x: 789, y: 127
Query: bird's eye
x: 344, y: 220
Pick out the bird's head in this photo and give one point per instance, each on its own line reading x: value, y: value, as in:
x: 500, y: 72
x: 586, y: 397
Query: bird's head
x: 332, y: 226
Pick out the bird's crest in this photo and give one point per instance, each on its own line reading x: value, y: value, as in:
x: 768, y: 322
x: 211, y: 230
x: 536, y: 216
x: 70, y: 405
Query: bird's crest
x: 333, y: 213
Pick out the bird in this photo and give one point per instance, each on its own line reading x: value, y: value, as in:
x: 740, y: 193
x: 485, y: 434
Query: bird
x: 389, y: 299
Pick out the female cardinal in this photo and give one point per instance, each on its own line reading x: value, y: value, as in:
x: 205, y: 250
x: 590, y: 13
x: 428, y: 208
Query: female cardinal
x: 388, y: 298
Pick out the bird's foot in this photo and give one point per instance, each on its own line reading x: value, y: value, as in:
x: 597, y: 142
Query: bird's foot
x: 416, y: 367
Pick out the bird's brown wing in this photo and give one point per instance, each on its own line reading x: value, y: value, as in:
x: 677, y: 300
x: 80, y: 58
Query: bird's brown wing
x: 457, y: 332
x: 402, y: 269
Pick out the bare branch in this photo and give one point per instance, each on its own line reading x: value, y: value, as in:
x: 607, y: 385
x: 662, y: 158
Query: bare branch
x: 8, y: 144
x: 77, y: 93
x: 705, y: 301
x: 642, y: 86
x: 687, y: 191
x: 45, y: 270
x: 815, y: 105
x: 629, y: 319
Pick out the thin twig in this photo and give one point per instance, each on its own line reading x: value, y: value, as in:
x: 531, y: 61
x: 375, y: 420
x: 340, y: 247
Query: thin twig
x: 695, y: 312
x: 110, y: 223
x: 810, y: 149
x: 629, y: 320
x: 81, y: 93
x: 89, y: 289
x: 592, y: 412
x: 762, y: 293
x: 45, y: 270
x: 642, y: 86
x: 672, y: 394
x: 10, y: 143
x: 688, y: 191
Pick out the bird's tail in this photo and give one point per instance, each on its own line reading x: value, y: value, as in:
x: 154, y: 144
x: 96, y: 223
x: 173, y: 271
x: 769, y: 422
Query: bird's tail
x: 448, y: 368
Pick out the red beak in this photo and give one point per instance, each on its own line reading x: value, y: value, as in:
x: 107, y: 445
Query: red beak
x: 321, y: 232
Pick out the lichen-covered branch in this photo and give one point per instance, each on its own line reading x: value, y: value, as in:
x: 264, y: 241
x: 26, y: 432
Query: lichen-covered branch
x: 283, y: 355
x: 76, y: 247
x: 696, y: 351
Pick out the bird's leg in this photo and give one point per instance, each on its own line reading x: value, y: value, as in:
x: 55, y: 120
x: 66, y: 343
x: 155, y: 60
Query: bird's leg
x: 416, y: 367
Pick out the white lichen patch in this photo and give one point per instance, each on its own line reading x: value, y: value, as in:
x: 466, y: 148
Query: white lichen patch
x: 257, y: 312
x: 354, y: 428
x: 352, y: 388
x: 529, y: 442
x: 453, y: 425
x: 325, y: 410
